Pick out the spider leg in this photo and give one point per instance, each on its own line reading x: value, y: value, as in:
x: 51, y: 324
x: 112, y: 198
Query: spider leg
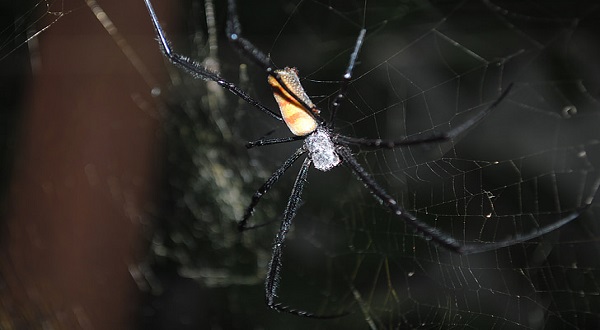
x: 484, y: 247
x: 248, y: 50
x: 199, y: 71
x: 264, y: 142
x: 242, y: 225
x: 441, y: 238
x: 347, y: 77
x: 430, y: 138
x: 243, y: 45
x: 428, y: 231
x: 273, y: 274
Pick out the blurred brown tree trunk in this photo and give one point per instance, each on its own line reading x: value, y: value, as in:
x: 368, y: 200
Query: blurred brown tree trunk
x: 84, y: 176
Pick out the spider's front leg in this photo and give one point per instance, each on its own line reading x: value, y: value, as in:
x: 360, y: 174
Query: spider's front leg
x: 439, y: 237
x: 273, y: 275
x: 274, y: 272
x: 428, y: 231
x: 243, y: 224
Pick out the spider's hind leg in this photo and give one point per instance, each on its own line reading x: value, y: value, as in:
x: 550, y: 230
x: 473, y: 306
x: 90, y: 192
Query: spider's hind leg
x: 245, y: 47
x: 434, y: 137
x: 197, y: 70
x: 251, y: 52
x: 346, y: 78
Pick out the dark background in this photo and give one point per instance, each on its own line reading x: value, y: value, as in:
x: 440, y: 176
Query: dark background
x: 119, y: 203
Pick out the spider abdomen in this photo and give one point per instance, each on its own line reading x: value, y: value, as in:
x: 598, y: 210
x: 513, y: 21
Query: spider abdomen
x: 295, y: 116
x: 321, y: 150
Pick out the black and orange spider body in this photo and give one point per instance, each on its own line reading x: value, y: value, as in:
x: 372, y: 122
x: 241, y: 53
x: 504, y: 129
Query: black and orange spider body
x: 324, y: 148
x: 300, y: 121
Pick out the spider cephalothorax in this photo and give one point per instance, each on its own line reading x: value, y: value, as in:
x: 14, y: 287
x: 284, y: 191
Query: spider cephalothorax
x: 321, y: 150
x: 325, y: 148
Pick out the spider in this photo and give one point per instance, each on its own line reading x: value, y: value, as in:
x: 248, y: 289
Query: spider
x: 323, y: 147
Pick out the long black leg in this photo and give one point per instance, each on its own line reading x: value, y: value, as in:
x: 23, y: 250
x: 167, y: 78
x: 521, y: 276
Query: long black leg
x: 248, y: 50
x: 273, y: 274
x: 199, y: 71
x: 436, y: 235
x: 387, y: 200
x: 264, y: 142
x: 431, y: 138
x: 390, y: 144
x: 346, y: 78
x: 242, y: 225
x: 244, y: 46
x: 483, y: 247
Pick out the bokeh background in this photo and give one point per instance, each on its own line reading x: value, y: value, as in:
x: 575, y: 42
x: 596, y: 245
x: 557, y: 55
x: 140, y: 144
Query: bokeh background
x: 123, y: 177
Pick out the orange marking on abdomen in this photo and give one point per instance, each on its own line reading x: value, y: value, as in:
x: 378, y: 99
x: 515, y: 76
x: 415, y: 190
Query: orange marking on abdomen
x: 295, y: 116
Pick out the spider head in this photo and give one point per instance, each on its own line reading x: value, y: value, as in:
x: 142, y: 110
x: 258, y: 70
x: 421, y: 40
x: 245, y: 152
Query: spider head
x: 321, y: 149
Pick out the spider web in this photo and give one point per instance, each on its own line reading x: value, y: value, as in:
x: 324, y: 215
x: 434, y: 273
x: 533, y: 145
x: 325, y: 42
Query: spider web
x: 424, y: 67
x: 530, y: 163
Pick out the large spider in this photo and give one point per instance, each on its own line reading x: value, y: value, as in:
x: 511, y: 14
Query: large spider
x: 323, y: 147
